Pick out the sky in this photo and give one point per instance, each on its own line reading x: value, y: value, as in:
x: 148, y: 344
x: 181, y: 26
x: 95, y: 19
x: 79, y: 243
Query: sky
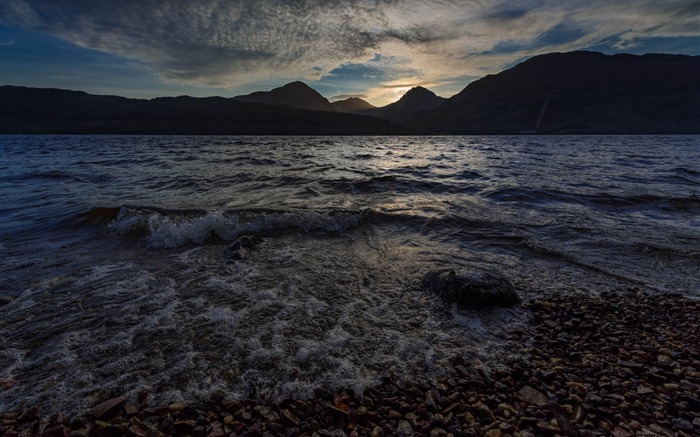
x: 376, y: 50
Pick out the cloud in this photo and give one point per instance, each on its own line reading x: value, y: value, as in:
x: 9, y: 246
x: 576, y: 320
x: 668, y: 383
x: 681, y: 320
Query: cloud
x: 213, y: 42
x: 226, y: 43
x: 337, y: 97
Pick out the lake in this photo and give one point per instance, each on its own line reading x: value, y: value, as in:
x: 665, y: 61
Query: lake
x: 114, y: 276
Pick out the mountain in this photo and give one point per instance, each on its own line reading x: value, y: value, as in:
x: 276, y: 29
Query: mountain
x: 415, y: 100
x: 295, y: 94
x: 352, y: 105
x: 557, y: 93
x: 577, y: 93
x: 54, y: 111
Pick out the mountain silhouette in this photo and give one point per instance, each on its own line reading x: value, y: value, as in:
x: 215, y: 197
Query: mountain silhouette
x: 294, y: 94
x: 352, y: 105
x: 44, y: 111
x: 415, y: 100
x: 570, y: 93
x: 577, y: 92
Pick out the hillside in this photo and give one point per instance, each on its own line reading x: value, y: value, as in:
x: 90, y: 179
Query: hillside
x: 295, y: 94
x: 35, y: 110
x: 415, y: 100
x: 559, y: 93
x: 352, y: 105
x: 577, y: 93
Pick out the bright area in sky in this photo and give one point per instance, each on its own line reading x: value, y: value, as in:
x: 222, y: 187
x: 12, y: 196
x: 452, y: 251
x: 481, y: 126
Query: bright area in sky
x: 372, y: 49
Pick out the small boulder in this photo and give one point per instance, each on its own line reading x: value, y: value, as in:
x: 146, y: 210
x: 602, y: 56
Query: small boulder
x: 107, y: 407
x: 474, y: 290
x: 241, y: 247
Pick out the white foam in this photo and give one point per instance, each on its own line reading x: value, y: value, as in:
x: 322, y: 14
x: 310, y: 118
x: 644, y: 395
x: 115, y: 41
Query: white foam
x: 101, y: 272
x: 223, y: 317
x: 168, y: 231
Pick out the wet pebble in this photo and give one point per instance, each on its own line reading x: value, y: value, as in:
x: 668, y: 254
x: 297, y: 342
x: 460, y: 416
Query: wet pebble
x: 621, y: 364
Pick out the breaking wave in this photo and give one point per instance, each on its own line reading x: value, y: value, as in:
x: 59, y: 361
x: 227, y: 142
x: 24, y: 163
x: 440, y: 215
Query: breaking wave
x: 172, y: 228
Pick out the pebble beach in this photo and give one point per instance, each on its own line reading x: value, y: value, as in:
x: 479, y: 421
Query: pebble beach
x: 623, y: 363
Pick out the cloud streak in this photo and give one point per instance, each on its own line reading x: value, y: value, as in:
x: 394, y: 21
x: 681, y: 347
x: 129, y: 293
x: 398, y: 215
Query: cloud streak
x: 230, y: 43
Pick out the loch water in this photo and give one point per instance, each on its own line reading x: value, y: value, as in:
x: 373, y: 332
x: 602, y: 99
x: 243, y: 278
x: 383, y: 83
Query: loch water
x: 113, y: 277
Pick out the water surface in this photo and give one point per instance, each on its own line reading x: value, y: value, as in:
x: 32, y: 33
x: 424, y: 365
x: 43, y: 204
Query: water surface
x: 113, y: 254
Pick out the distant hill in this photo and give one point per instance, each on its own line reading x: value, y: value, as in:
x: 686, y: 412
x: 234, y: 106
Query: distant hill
x: 415, y: 100
x: 577, y: 93
x: 352, y: 105
x: 295, y: 94
x: 35, y: 110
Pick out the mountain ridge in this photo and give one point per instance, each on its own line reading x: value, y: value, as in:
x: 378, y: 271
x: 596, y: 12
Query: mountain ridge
x: 556, y: 93
x: 55, y: 111
x: 577, y: 92
x: 295, y: 94
x: 415, y: 100
x: 352, y: 105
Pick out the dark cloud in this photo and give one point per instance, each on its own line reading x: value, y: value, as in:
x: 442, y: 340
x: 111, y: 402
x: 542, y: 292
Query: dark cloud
x: 212, y: 40
x: 560, y: 34
x: 234, y: 42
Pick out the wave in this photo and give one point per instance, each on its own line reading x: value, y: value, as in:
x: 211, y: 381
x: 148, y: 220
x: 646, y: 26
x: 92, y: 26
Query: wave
x: 689, y: 203
x: 58, y: 175
x: 688, y: 171
x: 167, y: 228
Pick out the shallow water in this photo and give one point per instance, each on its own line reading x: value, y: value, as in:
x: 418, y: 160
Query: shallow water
x: 113, y: 254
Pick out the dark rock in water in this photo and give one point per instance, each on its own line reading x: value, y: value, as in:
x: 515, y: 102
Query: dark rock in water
x: 472, y: 290
x: 107, y: 407
x: 241, y: 247
x: 4, y: 300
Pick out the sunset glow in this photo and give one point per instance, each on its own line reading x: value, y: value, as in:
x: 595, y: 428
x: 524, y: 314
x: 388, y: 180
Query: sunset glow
x: 342, y: 48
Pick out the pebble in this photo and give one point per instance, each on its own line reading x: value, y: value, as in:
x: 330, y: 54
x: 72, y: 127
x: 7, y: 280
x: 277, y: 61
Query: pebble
x: 107, y: 407
x: 532, y: 396
x: 575, y: 379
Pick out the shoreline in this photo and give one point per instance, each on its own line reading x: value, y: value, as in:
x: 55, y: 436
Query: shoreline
x: 623, y: 363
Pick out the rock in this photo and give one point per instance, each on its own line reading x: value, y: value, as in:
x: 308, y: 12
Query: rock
x: 437, y: 432
x: 339, y: 412
x: 136, y: 431
x: 4, y: 300
x: 377, y: 432
x: 472, y: 290
x: 532, y: 396
x: 546, y: 428
x: 290, y: 417
x: 176, y: 407
x: 107, y: 407
x: 630, y: 364
x: 619, y: 432
x: 484, y: 412
x: 404, y: 429
x: 432, y: 398
x: 55, y: 431
x: 29, y: 414
x: 130, y: 409
x: 184, y: 426
x: 683, y: 424
x: 241, y: 247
